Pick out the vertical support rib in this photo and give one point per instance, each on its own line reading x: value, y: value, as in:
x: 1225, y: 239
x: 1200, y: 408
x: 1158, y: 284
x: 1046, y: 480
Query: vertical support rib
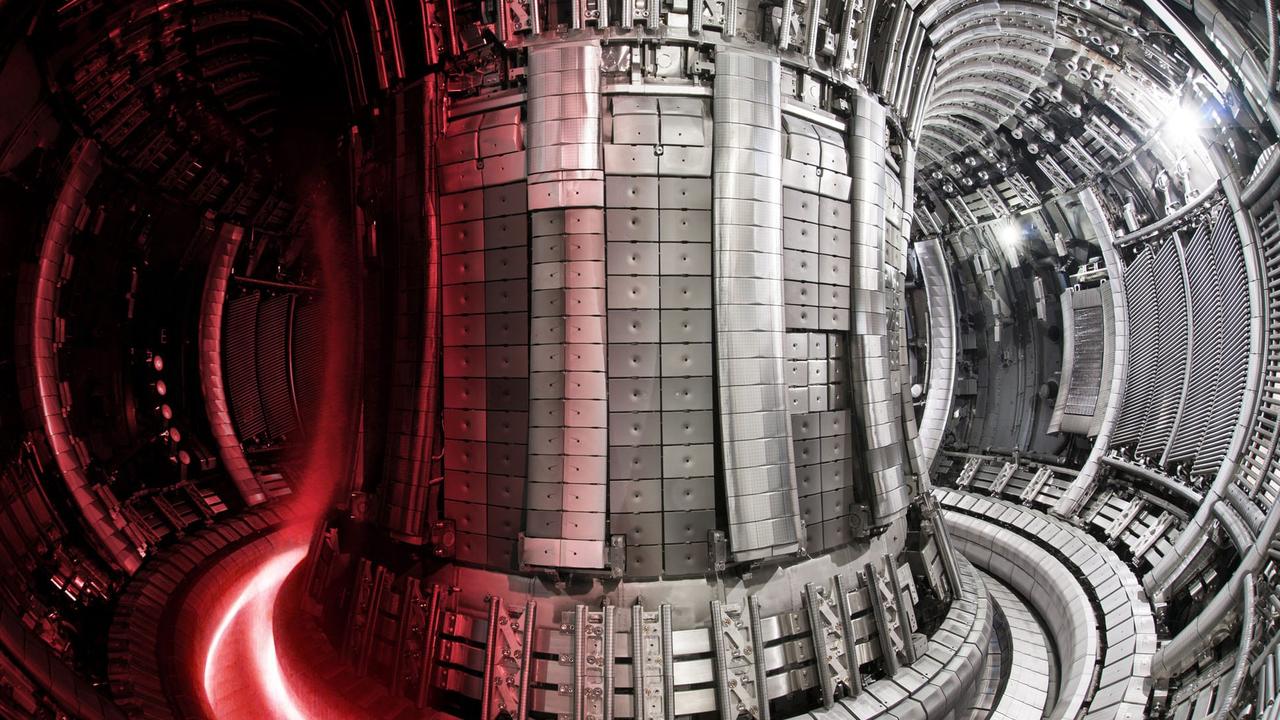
x: 878, y: 432
x: 756, y: 449
x: 757, y: 649
x: 530, y: 622
x: 579, y: 662
x: 940, y: 298
x: 639, y: 699
x: 38, y: 372
x: 568, y: 414
x: 608, y: 661
x: 851, y: 642
x: 668, y: 663
x: 888, y: 654
x: 490, y: 656
x: 818, y: 633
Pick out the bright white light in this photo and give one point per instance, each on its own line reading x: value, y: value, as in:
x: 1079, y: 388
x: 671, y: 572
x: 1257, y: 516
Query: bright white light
x: 1182, y: 125
x: 254, y: 608
x: 1010, y: 234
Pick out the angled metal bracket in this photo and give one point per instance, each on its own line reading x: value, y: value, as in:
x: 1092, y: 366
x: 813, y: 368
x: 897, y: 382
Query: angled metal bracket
x: 831, y: 646
x: 739, y: 686
x: 506, y: 668
x: 1033, y: 488
x: 1002, y: 479
x: 647, y: 663
x: 970, y: 469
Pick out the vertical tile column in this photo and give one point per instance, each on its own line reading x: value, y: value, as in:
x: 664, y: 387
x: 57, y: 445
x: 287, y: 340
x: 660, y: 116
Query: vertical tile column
x: 816, y: 242
x: 688, y: 396
x: 485, y: 246
x: 658, y: 193
x: 878, y: 430
x: 757, y: 456
x: 568, y: 418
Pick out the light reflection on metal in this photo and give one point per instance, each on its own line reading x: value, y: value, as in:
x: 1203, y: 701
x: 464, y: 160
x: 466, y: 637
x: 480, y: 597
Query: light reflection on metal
x: 249, y: 620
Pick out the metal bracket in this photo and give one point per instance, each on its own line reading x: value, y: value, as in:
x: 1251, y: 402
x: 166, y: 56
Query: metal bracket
x: 1002, y: 479
x: 371, y: 583
x: 1152, y: 535
x: 739, y: 686
x: 442, y: 537
x: 906, y: 611
x: 717, y: 550
x: 589, y: 662
x: 647, y: 661
x: 1037, y: 484
x: 1124, y: 519
x: 830, y: 644
x: 617, y: 555
x: 970, y: 469
x: 885, y: 607
x: 506, y: 669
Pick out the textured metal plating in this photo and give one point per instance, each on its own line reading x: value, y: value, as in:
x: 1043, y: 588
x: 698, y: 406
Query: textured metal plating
x: 756, y: 449
x: 568, y: 409
x: 876, y: 414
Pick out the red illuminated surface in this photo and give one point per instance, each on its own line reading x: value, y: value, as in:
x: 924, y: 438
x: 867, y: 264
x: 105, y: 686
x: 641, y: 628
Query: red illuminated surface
x: 242, y: 676
x: 257, y: 688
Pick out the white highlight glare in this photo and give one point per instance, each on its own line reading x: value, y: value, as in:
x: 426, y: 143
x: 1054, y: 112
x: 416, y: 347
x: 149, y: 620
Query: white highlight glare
x: 1182, y: 124
x: 254, y: 608
x: 1009, y: 234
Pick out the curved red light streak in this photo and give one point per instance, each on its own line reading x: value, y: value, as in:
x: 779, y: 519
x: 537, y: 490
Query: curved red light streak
x: 248, y: 624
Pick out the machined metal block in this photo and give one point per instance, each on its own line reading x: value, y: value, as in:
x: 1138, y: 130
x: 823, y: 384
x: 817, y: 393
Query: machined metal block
x: 510, y: 199
x: 464, y: 330
x: 638, y: 428
x: 680, y: 326
x: 636, y: 129
x: 506, y: 231
x: 543, y: 523
x: 638, y: 528
x: 633, y: 292
x: 507, y: 328
x: 462, y: 237
x: 633, y: 360
x: 685, y: 558
x: 689, y: 526
x: 635, y: 105
x: 684, y: 225
x: 635, y: 394
x: 630, y: 159
x: 507, y: 460
x: 689, y: 493
x: 584, y: 274
x: 633, y: 325
x: 684, y: 194
x: 685, y: 292
x: 464, y: 361
x: 636, y: 496
x: 680, y: 130
x: 686, y: 393
x: 635, y: 225
x: 505, y: 295
x: 687, y: 461
x: 633, y: 258
x: 798, y: 205
x: 801, y: 266
x: 800, y: 235
x: 623, y: 191
x: 685, y: 258
x: 691, y: 161
x: 504, y: 263
x: 686, y: 360
x: 506, y: 361
x: 801, y: 298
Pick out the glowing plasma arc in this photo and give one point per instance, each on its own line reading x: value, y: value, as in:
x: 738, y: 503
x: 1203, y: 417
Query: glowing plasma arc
x: 250, y: 617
